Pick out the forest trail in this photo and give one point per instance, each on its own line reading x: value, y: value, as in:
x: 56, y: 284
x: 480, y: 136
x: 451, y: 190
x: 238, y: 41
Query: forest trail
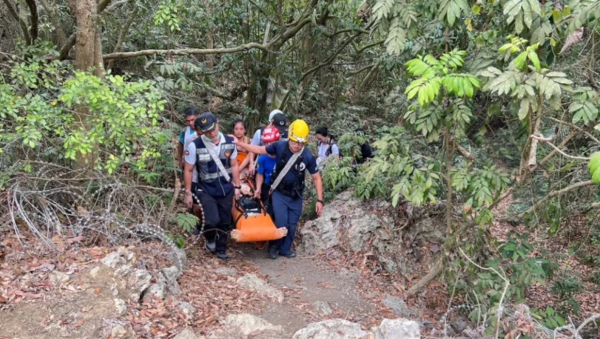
x: 311, y: 288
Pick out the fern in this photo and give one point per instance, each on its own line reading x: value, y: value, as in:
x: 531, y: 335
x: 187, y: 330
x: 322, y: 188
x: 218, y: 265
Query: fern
x: 453, y: 9
x: 521, y: 12
x: 383, y: 9
x: 396, y: 37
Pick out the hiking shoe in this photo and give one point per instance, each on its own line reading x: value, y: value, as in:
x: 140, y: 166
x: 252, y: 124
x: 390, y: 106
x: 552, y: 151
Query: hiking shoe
x: 196, y: 230
x: 210, y: 246
x: 222, y: 255
x: 273, y: 253
x: 288, y: 255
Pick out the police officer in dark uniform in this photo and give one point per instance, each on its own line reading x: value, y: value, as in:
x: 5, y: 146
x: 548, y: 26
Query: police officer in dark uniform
x: 215, y: 158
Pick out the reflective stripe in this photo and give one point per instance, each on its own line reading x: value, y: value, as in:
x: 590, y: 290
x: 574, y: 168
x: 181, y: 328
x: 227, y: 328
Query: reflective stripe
x: 209, y: 176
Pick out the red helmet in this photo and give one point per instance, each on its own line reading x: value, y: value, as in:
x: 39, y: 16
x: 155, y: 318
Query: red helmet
x: 270, y: 134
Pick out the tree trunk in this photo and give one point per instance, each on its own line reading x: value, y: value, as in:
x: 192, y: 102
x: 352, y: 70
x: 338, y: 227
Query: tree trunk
x: 89, y: 48
x: 88, y: 57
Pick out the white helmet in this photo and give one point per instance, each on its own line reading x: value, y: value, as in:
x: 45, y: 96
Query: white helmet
x: 272, y: 114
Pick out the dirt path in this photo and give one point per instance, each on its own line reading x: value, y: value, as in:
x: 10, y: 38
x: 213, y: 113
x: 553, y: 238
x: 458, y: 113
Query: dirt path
x: 308, y: 284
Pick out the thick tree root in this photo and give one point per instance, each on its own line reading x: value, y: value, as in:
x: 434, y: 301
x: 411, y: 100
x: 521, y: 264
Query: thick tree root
x: 437, y: 269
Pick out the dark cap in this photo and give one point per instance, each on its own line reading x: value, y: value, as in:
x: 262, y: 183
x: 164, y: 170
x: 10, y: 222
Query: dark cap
x: 206, y: 122
x: 279, y: 122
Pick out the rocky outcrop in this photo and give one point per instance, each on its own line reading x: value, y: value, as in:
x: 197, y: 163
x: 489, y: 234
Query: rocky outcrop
x: 251, y: 281
x: 344, y: 329
x: 355, y: 226
x: 247, y: 326
x: 332, y: 329
x: 398, y: 329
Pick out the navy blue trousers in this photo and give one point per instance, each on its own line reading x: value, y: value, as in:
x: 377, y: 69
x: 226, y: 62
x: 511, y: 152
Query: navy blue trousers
x: 287, y: 213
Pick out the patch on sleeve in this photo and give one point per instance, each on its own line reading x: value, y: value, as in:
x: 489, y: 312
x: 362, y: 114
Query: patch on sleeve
x: 187, y: 152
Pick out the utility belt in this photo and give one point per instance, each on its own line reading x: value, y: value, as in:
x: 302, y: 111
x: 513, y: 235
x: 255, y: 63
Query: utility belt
x: 293, y: 191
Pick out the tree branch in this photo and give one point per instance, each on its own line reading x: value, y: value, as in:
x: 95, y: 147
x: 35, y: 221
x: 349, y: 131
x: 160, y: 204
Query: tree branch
x: 64, y: 51
x: 556, y: 193
x: 547, y: 141
x: 319, y: 66
x: 532, y: 162
x: 186, y: 51
x: 369, y: 46
x: 347, y: 30
x: 34, y: 19
x: 589, y: 135
x: 61, y: 38
x: 369, y: 75
x: 437, y: 269
x: 20, y: 20
x: 362, y: 69
x: 122, y: 34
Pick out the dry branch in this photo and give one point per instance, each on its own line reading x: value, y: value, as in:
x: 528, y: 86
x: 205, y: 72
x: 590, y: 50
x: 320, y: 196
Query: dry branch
x: 435, y: 270
x: 186, y: 51
x: 556, y: 193
x: 61, y: 38
x: 20, y: 20
x: 122, y: 34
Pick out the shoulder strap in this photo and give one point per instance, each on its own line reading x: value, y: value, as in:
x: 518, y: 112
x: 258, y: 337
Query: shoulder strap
x: 286, y: 169
x: 212, y: 150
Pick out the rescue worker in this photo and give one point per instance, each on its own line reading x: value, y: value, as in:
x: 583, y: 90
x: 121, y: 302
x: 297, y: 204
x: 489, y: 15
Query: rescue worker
x: 277, y: 119
x: 264, y: 170
x: 292, y: 159
x: 188, y: 134
x: 214, y: 155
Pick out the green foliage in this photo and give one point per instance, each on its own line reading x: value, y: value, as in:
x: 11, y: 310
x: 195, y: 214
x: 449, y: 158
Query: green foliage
x: 187, y: 221
x: 168, y: 15
x: 584, y: 107
x: 548, y: 317
x: 121, y: 118
x: 594, y: 167
x: 566, y: 286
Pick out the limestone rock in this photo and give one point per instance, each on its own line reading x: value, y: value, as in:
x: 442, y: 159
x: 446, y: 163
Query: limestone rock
x: 248, y: 324
x: 141, y: 280
x: 120, y: 306
x: 155, y: 291
x: 113, y: 260
x: 118, y: 332
x: 187, y: 309
x: 322, y: 308
x: 398, y: 329
x: 232, y: 272
x: 168, y: 278
x: 171, y: 273
x: 123, y: 270
x: 94, y: 272
x: 178, y: 258
x: 332, y: 329
x: 58, y: 278
x: 253, y: 282
x: 397, y: 305
x: 361, y: 230
x: 186, y: 334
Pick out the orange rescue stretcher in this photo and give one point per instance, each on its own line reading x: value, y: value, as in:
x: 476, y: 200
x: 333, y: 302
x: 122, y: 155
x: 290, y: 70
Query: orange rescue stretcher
x: 252, y: 222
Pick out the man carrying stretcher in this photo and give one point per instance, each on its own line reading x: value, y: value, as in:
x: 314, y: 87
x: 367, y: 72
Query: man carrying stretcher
x: 215, y: 157
x: 292, y: 159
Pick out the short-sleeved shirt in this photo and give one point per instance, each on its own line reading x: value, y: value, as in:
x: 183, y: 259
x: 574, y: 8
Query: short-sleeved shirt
x: 185, y: 134
x: 256, y: 139
x: 280, y: 149
x: 190, y: 155
x: 323, y: 148
x: 266, y: 167
x: 189, y: 137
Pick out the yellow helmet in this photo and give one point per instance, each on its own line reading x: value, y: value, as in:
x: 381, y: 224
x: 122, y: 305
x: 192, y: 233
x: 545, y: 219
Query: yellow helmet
x: 298, y: 131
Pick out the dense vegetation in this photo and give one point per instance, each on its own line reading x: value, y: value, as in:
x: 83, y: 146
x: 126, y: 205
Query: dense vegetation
x: 471, y: 103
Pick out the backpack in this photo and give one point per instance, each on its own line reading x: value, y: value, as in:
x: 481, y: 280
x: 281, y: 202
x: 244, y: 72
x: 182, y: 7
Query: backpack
x: 330, y: 149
